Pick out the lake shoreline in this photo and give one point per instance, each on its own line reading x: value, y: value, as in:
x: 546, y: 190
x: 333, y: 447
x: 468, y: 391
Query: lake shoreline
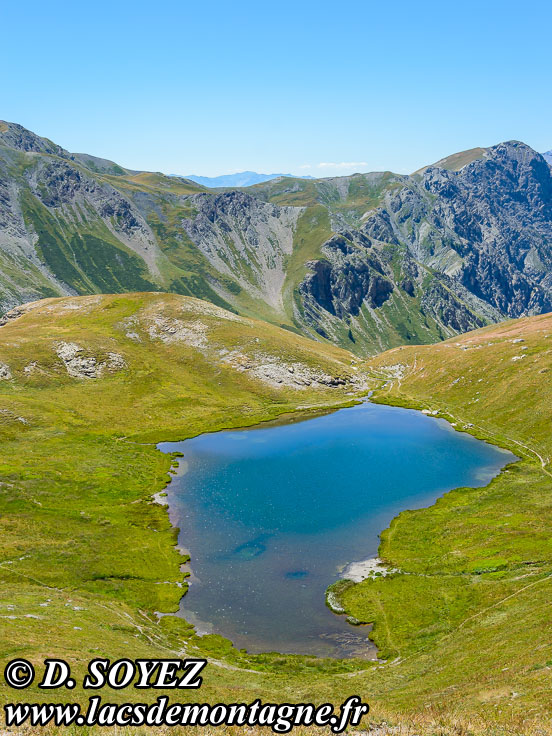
x: 373, y: 567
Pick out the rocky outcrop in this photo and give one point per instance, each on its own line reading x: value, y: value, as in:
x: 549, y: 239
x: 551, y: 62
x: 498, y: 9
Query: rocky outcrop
x: 19, y: 138
x: 62, y: 231
x: 350, y: 277
x: 447, y: 309
x: 488, y: 226
x: 278, y: 373
x: 59, y: 185
x: 174, y: 330
x: 79, y: 365
x: 358, y: 275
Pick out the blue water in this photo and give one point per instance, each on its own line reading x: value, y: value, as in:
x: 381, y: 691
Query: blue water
x: 271, y: 515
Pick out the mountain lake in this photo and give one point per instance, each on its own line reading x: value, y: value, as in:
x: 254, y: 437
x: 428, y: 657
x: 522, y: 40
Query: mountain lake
x: 272, y: 515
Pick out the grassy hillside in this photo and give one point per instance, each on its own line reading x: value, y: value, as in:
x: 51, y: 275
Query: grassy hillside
x: 78, y: 224
x: 346, y: 198
x: 465, y: 623
x: 367, y: 261
x: 86, y: 556
x: 456, y: 161
x: 72, y: 223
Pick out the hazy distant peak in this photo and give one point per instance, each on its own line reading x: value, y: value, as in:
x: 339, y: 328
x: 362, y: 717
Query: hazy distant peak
x: 548, y: 156
x: 240, y: 179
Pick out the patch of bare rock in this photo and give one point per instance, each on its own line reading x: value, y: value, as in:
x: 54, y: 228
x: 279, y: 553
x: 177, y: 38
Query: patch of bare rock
x: 5, y: 373
x: 170, y: 330
x: 80, y: 365
x: 364, y: 569
x: 280, y: 373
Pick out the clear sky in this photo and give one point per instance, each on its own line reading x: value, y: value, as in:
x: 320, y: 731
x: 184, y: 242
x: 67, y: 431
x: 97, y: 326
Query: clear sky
x: 308, y: 87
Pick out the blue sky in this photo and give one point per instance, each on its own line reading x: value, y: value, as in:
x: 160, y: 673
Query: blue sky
x: 317, y: 88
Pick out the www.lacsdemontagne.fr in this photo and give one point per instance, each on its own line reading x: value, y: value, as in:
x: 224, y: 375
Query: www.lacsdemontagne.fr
x: 281, y: 718
x: 145, y: 674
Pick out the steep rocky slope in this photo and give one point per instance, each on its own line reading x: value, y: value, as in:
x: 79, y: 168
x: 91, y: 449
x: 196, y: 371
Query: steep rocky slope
x: 63, y: 230
x: 76, y: 224
x: 246, y: 239
x: 368, y: 261
x: 488, y: 227
x: 442, y: 252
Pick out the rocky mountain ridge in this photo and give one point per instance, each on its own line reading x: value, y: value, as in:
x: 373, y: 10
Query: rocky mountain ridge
x: 367, y: 261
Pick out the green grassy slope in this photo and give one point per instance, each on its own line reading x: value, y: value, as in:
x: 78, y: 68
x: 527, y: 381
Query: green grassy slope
x: 74, y: 223
x: 346, y: 199
x: 456, y: 161
x: 82, y: 248
x: 88, y: 258
x: 85, y: 248
x: 465, y: 623
x: 326, y: 202
x: 86, y: 557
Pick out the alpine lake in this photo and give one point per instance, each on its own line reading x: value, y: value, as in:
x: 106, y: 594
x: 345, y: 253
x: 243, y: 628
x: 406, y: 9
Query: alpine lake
x: 272, y: 515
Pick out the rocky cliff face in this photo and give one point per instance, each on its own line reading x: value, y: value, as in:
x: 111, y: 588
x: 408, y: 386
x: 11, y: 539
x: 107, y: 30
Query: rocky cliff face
x: 63, y: 231
x: 19, y: 138
x: 475, y: 245
x: 368, y: 261
x: 489, y: 227
x: 382, y: 295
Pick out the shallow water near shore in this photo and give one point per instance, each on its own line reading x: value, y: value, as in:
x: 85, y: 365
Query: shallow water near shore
x: 271, y: 515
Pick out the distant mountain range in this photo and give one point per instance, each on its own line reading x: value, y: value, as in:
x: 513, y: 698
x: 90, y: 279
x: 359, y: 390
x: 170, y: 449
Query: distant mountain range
x: 248, y: 178
x: 241, y: 179
x: 367, y: 261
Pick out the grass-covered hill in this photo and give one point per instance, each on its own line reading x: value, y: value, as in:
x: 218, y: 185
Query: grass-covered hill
x: 90, y: 384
